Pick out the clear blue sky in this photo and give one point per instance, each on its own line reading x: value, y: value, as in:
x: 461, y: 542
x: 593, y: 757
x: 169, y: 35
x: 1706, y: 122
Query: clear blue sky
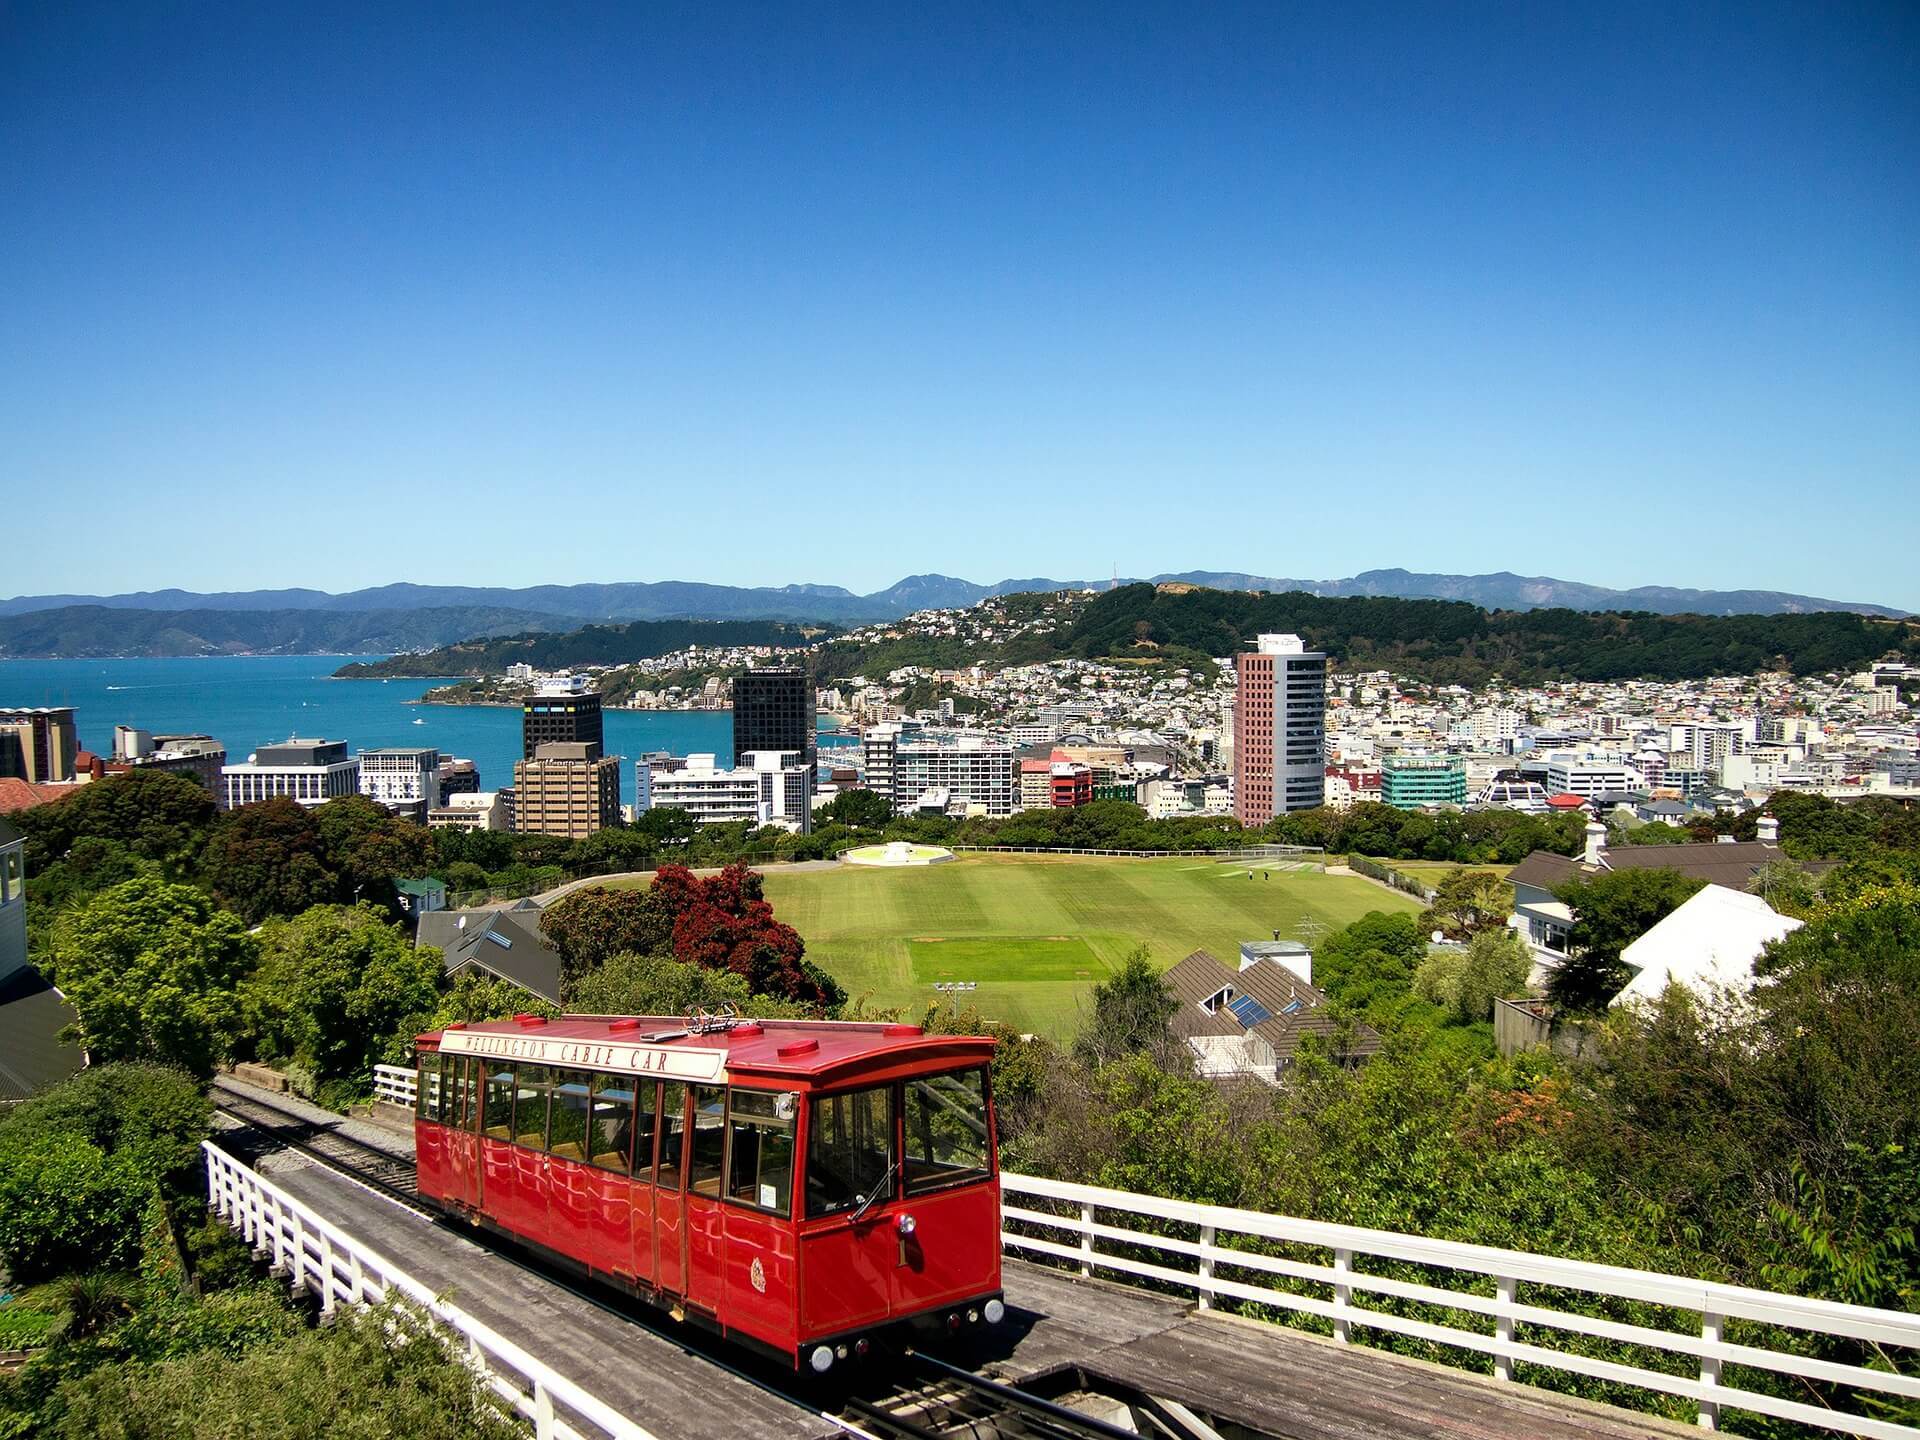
x: 326, y: 295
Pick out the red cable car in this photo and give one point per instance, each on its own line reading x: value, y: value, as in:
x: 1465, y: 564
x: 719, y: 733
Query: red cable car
x: 796, y: 1185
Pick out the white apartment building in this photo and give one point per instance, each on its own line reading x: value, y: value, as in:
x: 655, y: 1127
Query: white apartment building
x: 472, y: 810
x: 1029, y: 735
x: 1591, y: 774
x: 774, y: 788
x: 308, y: 772
x: 405, y: 779
x: 980, y: 773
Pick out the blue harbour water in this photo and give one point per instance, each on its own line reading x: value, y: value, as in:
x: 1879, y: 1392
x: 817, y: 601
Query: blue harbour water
x: 249, y: 701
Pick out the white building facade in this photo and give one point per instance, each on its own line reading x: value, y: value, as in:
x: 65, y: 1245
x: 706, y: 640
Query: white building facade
x: 405, y: 779
x: 307, y: 772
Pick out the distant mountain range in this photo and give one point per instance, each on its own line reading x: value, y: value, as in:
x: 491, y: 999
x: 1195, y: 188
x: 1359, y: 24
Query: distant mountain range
x: 691, y: 600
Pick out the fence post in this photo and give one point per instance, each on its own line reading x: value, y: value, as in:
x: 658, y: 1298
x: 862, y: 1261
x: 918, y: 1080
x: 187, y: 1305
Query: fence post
x: 1712, y: 1328
x: 299, y: 1257
x: 1342, y: 1295
x: 542, y: 1412
x: 326, y: 1274
x: 1206, y: 1267
x: 1086, y: 1239
x: 1509, y: 1291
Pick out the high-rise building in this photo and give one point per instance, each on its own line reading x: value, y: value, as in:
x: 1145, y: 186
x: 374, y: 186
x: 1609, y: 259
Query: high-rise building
x: 1279, y: 729
x: 308, y: 772
x: 404, y: 778
x: 567, y: 788
x: 774, y: 787
x: 968, y: 771
x: 561, y: 712
x: 44, y: 743
x: 1409, y: 781
x: 198, y: 756
x: 773, y: 709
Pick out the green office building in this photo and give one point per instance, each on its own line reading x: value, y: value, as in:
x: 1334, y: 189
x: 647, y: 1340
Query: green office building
x: 1407, y: 782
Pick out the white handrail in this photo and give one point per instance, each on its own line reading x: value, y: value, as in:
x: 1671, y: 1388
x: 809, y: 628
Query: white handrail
x: 319, y: 1256
x: 1090, y: 1215
x: 1338, y: 1289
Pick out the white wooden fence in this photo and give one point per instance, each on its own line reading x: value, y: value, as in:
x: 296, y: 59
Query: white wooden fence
x: 1223, y: 1254
x: 1242, y: 1244
x: 317, y: 1255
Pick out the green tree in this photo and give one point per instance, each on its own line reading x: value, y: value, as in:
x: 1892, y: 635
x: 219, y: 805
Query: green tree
x: 369, y: 849
x: 591, y: 925
x: 268, y: 859
x: 1130, y: 1012
x: 661, y: 985
x: 156, y: 815
x: 80, y: 1162
x: 1369, y: 964
x: 333, y: 984
x: 1610, y: 911
x: 858, y: 810
x: 153, y: 972
x: 1465, y: 983
x: 1786, y: 887
x: 376, y: 1374
x: 1465, y: 902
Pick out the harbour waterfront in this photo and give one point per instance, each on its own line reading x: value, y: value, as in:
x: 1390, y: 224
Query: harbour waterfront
x: 253, y: 700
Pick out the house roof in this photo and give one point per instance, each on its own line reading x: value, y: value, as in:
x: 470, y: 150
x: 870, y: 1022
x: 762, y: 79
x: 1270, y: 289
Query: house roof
x: 1707, y: 944
x: 1284, y: 1010
x: 504, y: 943
x: 17, y: 794
x: 1732, y: 865
x: 32, y: 1057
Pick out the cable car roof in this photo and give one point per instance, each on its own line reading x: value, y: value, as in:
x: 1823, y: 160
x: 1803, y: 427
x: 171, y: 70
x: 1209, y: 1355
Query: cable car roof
x: 704, y: 1049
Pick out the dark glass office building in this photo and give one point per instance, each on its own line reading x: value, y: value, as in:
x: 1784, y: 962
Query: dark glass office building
x: 571, y: 718
x: 773, y: 710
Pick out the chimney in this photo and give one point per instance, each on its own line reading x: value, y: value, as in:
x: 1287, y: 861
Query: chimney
x: 1596, y: 844
x: 1767, y: 830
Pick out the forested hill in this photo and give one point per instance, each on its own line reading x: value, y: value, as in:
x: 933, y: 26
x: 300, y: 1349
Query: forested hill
x: 592, y: 645
x: 1453, y: 641
x: 1435, y: 640
x: 85, y: 631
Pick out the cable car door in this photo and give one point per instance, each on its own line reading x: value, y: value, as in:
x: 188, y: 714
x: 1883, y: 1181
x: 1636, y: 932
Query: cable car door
x: 669, y: 1195
x: 705, y: 1220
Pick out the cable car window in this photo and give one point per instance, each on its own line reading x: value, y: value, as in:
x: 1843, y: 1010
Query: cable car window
x: 567, y: 1135
x: 850, y: 1150
x: 476, y: 1079
x: 460, y: 1107
x: 709, y: 1139
x: 530, y: 1106
x: 946, y: 1124
x: 645, y: 1108
x: 612, y: 1127
x: 499, y: 1114
x: 760, y: 1149
x: 426, y: 1087
x: 673, y: 1133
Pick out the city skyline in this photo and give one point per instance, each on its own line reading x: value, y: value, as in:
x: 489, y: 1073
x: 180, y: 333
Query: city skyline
x: 1384, y: 289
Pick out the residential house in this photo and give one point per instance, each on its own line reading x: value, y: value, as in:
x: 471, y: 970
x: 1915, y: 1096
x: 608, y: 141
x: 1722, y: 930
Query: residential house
x: 1252, y: 1021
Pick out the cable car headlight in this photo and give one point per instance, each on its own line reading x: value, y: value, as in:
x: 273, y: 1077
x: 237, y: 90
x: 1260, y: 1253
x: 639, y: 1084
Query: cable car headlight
x: 821, y: 1359
x: 904, y: 1224
x: 994, y: 1311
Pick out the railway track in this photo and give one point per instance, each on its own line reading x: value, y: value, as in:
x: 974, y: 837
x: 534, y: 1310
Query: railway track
x: 370, y: 1165
x: 933, y: 1401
